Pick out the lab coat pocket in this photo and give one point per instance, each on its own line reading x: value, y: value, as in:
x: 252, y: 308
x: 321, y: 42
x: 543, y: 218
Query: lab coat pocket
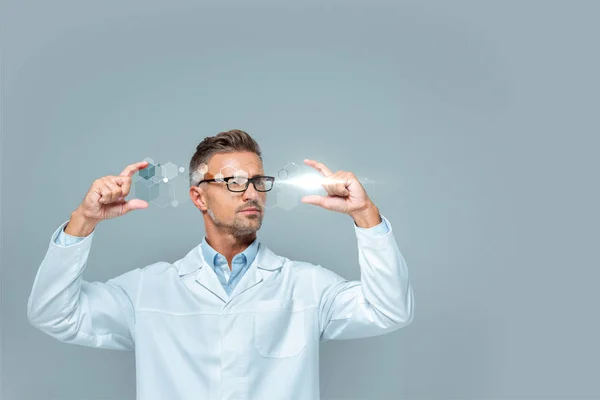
x: 279, y: 331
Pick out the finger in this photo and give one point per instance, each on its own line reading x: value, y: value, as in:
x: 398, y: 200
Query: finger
x: 104, y: 191
x: 335, y: 185
x: 341, y: 185
x: 318, y: 166
x: 329, y: 186
x: 314, y: 199
x: 125, y: 183
x: 115, y: 191
x: 134, y: 204
x: 133, y: 168
x: 120, y: 208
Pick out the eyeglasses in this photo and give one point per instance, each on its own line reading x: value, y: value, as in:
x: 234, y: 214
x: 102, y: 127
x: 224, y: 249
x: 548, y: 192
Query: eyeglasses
x: 240, y: 183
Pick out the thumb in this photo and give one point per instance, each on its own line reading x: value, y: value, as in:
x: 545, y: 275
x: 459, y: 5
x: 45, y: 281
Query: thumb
x: 134, y: 204
x: 314, y: 199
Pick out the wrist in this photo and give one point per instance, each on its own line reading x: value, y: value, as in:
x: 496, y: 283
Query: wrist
x: 367, y: 217
x: 79, y: 225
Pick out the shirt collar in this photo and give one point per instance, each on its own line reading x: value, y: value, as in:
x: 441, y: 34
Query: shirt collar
x: 193, y: 260
x: 212, y: 257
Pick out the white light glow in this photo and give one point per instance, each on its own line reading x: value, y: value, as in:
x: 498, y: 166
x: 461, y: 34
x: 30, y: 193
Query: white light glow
x: 304, y: 181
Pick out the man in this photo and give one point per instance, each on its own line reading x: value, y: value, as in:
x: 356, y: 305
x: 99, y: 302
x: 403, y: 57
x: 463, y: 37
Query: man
x: 231, y: 319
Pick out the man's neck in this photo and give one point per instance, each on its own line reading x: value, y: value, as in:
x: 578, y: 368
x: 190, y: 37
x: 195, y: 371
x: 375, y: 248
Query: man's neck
x: 229, y: 245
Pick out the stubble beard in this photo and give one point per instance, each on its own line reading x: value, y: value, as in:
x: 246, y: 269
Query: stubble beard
x: 241, y: 225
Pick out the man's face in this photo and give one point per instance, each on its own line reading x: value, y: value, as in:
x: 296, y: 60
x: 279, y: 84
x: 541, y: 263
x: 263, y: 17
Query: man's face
x: 225, y: 207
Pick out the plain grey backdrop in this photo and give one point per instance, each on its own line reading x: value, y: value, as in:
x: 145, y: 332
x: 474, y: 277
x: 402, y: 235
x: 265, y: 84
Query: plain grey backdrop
x: 478, y: 119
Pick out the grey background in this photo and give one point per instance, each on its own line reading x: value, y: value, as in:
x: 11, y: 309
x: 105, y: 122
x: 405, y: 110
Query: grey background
x: 478, y: 118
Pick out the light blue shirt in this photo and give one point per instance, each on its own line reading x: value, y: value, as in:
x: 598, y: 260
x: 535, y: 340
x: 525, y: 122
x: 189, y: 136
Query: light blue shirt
x: 229, y: 278
x: 239, y: 265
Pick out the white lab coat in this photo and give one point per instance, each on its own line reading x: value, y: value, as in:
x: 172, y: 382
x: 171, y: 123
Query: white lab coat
x: 192, y: 341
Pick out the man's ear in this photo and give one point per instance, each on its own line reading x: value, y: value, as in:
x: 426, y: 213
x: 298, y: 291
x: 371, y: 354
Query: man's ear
x: 198, y: 197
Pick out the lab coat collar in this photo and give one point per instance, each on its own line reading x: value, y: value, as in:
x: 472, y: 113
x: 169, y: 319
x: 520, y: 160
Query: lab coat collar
x: 265, y: 259
x: 265, y: 263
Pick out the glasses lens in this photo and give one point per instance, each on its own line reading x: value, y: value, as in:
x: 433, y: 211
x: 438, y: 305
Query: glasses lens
x: 263, y: 184
x: 238, y: 184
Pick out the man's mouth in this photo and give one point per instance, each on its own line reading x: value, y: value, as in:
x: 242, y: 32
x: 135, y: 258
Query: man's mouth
x: 251, y: 210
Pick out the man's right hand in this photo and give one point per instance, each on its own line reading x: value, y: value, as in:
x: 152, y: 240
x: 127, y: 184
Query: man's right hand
x: 105, y: 200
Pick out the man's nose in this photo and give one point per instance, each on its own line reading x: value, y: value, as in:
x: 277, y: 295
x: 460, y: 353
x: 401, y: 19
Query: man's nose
x: 250, y: 192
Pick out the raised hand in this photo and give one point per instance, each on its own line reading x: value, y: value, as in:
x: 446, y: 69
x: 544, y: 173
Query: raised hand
x: 345, y: 193
x: 105, y: 200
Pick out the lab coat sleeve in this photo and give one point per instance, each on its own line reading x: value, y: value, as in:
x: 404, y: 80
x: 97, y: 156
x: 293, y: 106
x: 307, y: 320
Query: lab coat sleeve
x: 72, y: 310
x: 381, y: 302
x: 376, y: 230
x: 64, y: 239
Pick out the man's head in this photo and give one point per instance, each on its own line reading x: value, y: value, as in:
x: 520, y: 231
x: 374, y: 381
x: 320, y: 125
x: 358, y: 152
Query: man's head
x: 228, y: 154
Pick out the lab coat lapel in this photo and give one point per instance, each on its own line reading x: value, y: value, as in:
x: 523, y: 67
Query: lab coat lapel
x: 264, y: 263
x: 208, y: 279
x: 194, y: 263
x: 251, y: 278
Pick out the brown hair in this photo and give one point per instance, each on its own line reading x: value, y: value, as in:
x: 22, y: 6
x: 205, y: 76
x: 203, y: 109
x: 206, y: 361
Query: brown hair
x: 223, y: 142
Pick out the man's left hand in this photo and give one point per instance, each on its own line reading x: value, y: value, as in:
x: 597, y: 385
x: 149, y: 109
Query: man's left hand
x: 345, y: 195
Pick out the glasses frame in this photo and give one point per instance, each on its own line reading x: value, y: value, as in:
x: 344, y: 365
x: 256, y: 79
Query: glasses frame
x: 227, y: 179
